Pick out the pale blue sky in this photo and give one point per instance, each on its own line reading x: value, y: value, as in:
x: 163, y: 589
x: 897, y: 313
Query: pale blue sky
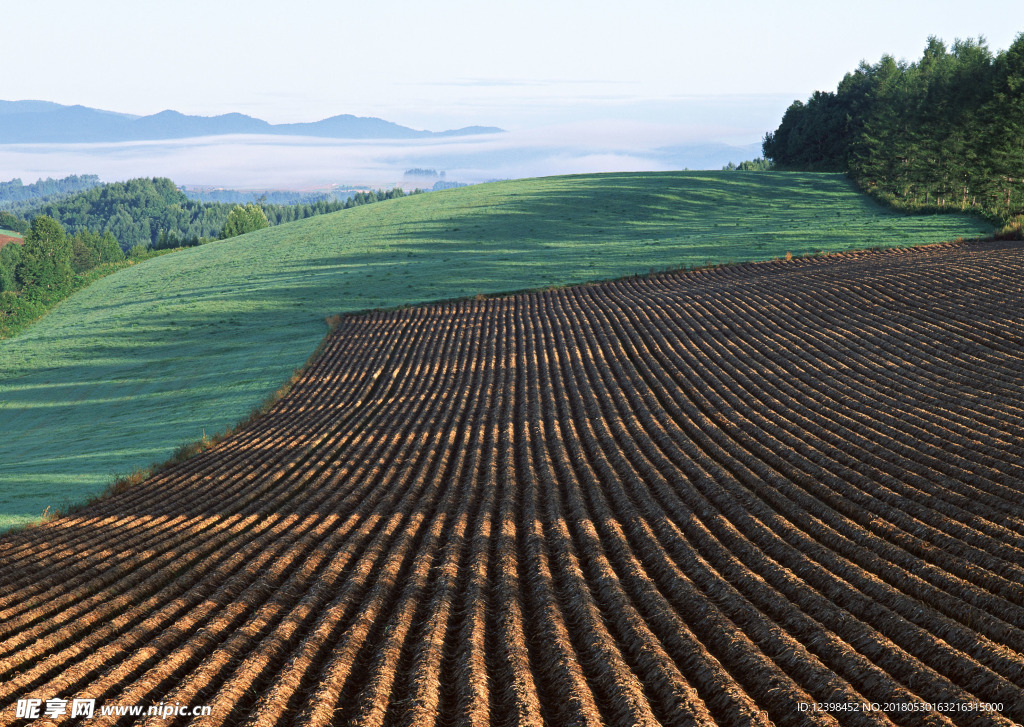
x: 451, y: 63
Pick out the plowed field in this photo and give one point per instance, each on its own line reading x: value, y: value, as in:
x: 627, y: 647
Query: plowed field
x: 720, y: 496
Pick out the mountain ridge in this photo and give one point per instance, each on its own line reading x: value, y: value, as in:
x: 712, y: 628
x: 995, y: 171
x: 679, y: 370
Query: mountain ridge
x: 35, y: 122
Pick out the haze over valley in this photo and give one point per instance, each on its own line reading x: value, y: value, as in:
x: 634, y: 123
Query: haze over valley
x: 39, y: 140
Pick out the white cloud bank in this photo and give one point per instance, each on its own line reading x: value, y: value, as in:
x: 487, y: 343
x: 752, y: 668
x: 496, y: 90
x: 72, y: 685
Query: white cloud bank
x: 276, y: 162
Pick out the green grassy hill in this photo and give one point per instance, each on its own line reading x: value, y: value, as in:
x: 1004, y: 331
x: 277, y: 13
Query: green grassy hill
x: 155, y: 355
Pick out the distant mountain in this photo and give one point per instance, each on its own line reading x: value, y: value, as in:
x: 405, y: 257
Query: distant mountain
x: 27, y: 122
x: 24, y: 107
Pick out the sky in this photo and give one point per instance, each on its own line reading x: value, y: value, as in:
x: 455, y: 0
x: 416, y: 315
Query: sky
x: 721, y: 72
x: 450, y: 63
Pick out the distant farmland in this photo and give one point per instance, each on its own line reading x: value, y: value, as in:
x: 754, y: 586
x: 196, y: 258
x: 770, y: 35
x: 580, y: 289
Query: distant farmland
x: 721, y: 496
x: 155, y: 356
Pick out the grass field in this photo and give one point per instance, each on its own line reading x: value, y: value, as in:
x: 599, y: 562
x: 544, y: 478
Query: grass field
x: 158, y: 354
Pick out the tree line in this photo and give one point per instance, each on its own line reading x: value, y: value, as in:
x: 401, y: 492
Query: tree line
x: 16, y: 191
x: 943, y: 133
x: 751, y: 165
x: 282, y: 197
x: 48, y: 266
x: 156, y: 214
x: 49, y: 258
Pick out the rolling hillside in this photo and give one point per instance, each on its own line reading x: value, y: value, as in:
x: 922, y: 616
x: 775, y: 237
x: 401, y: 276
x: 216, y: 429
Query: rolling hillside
x: 186, y: 344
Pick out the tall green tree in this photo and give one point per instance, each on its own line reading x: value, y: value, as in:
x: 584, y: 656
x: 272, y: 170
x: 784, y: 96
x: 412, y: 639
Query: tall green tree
x: 244, y: 219
x: 45, y: 257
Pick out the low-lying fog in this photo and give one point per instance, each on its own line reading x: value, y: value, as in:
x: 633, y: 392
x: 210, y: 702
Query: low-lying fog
x: 277, y: 162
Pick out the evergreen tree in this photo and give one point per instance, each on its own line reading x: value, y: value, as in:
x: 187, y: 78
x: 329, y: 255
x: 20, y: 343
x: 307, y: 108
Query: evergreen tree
x: 83, y: 256
x: 45, y: 257
x: 89, y: 249
x: 1003, y: 117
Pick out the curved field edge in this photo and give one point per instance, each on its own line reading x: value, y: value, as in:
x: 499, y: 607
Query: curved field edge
x: 703, y: 497
x: 162, y: 354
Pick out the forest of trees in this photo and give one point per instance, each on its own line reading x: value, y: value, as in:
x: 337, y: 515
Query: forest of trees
x: 49, y: 258
x: 156, y: 214
x: 47, y: 267
x: 945, y: 132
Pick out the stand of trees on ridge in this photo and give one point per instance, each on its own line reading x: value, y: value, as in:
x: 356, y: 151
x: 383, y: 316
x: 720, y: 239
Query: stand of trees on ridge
x: 49, y: 258
x: 155, y: 214
x: 47, y: 267
x: 16, y: 191
x: 943, y: 133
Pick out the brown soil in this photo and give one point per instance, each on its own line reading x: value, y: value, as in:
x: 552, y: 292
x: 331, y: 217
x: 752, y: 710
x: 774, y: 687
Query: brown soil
x: 695, y: 498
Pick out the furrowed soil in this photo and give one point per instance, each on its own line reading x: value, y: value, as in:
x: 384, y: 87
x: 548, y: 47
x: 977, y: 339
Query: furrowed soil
x: 722, y: 496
